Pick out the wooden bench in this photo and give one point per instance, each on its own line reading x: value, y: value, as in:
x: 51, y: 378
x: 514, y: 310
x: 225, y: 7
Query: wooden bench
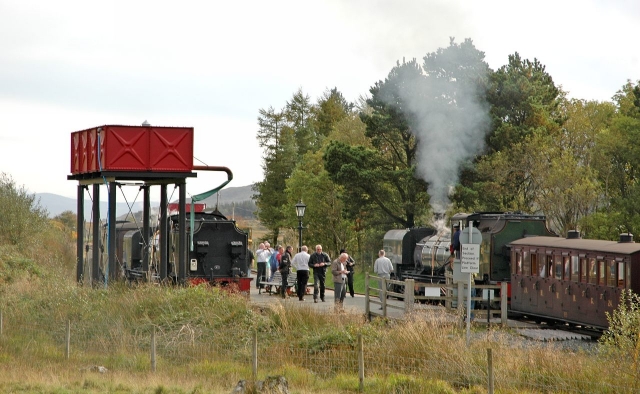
x: 292, y: 284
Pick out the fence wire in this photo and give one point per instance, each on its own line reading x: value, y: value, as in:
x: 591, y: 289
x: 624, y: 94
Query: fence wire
x: 184, y: 344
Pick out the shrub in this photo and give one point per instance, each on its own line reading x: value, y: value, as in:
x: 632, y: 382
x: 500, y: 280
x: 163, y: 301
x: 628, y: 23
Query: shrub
x: 621, y: 341
x: 23, y: 216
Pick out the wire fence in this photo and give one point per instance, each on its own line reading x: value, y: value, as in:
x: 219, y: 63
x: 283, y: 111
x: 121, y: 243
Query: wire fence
x: 156, y: 348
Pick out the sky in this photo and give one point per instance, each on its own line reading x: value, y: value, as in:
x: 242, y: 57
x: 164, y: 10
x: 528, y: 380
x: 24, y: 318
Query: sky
x: 69, y: 65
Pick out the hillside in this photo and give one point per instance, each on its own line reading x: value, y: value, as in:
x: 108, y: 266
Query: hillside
x: 56, y: 204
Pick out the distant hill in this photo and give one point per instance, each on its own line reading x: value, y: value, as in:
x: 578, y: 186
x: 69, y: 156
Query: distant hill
x: 230, y: 195
x: 56, y: 204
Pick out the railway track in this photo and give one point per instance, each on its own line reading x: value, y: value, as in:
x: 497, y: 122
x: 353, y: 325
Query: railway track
x: 548, y: 330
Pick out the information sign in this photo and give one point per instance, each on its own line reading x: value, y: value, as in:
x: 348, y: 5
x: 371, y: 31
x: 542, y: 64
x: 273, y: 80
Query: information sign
x: 470, y: 258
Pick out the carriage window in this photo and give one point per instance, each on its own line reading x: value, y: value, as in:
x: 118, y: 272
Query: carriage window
x: 557, y: 261
x: 621, y: 274
x: 567, y: 268
x: 575, y: 268
x: 526, y: 265
x: 583, y: 270
x: 612, y: 279
x: 602, y: 276
x: 543, y: 266
x: 534, y: 264
x: 593, y: 270
x: 518, y: 266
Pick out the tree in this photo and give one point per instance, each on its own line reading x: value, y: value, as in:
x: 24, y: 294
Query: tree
x: 628, y: 99
x: 68, y: 220
x: 565, y: 189
x: 620, y: 150
x: 423, y: 122
x: 524, y: 101
x: 332, y: 107
x: 271, y: 124
x: 278, y: 144
x: 24, y: 219
x: 523, y: 98
x: 383, y: 176
x: 453, y: 116
x: 567, y: 186
x: 617, y: 161
x: 299, y: 115
x: 324, y: 220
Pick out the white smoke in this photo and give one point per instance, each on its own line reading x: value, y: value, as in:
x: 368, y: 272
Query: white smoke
x: 450, y: 122
x: 440, y: 224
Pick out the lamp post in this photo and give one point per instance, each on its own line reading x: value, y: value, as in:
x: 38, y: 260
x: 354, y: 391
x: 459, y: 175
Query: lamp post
x: 300, y: 207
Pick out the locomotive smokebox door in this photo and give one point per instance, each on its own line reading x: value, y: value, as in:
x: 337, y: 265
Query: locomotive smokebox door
x: 237, y: 248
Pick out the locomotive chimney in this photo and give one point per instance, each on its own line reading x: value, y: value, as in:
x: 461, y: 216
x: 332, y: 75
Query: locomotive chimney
x: 626, y: 238
x: 573, y: 234
x: 438, y: 222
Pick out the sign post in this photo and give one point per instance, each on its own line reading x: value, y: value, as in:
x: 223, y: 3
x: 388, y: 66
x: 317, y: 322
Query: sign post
x: 470, y: 239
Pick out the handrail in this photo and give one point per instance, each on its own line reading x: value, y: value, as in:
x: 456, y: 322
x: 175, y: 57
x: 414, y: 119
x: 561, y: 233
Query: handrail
x: 410, y: 298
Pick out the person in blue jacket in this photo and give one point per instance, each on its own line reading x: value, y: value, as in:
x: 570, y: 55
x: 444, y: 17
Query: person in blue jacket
x: 455, y: 240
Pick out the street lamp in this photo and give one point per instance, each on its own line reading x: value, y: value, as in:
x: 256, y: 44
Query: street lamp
x: 300, y: 207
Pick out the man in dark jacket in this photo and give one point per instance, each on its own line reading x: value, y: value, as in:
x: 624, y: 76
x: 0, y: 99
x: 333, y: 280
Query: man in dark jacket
x: 455, y: 240
x: 319, y: 261
x: 284, y: 268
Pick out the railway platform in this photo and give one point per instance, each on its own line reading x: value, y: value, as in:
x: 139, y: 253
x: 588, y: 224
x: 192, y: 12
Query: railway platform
x: 395, y: 310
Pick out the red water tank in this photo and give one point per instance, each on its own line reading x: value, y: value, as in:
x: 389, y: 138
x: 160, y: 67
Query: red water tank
x: 197, y: 207
x: 132, y: 149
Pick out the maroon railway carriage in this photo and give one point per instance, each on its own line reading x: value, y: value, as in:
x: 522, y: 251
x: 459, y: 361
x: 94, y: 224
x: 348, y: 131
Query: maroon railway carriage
x: 572, y: 279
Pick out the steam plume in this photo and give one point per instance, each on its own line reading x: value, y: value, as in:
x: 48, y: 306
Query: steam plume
x: 450, y: 120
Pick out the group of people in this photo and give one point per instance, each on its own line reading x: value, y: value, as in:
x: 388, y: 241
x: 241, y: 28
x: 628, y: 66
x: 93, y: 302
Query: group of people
x: 342, y: 270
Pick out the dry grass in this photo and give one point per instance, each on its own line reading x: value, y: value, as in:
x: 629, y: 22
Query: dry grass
x: 204, y: 343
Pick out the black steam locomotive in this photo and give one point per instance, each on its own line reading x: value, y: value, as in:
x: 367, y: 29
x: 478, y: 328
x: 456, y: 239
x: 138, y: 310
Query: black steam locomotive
x: 217, y: 251
x: 423, y: 254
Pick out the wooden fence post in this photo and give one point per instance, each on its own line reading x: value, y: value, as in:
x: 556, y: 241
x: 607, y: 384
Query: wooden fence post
x: 367, y: 307
x: 409, y: 285
x: 67, y: 350
x: 383, y: 292
x: 503, y: 304
x: 153, y: 350
x: 490, y: 371
x: 361, y: 362
x: 461, y: 303
x: 255, y: 355
x: 448, y: 302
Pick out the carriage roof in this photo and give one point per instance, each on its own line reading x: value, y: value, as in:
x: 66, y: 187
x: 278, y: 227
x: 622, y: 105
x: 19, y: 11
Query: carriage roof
x: 579, y: 243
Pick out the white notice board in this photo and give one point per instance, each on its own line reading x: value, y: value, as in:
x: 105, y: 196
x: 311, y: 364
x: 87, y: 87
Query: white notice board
x: 470, y: 258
